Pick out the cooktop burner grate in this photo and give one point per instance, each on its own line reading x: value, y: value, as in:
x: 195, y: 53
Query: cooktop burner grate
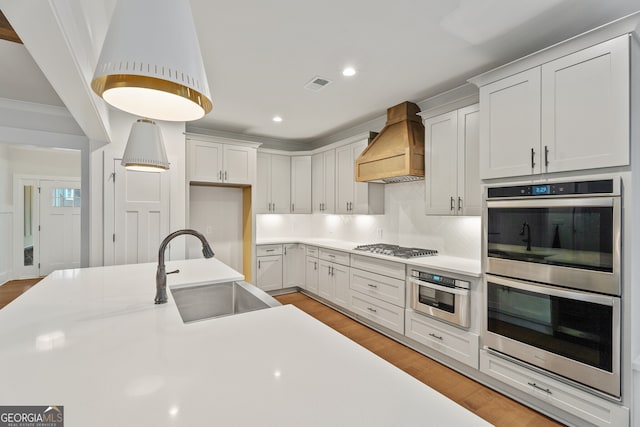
x: 395, y: 250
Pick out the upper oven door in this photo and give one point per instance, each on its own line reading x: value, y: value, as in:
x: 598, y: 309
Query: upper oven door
x: 573, y: 242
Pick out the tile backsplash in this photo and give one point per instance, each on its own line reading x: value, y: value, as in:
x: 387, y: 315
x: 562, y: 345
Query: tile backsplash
x: 403, y: 223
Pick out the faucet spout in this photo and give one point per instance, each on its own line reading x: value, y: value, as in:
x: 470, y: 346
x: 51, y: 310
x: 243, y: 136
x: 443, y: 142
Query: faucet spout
x: 526, y: 227
x: 161, y: 273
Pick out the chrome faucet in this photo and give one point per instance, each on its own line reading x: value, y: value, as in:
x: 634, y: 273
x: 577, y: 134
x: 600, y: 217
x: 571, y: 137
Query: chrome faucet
x: 526, y: 226
x: 161, y: 274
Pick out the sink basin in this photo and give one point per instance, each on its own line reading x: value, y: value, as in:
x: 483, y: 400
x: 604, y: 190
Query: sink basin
x: 209, y: 301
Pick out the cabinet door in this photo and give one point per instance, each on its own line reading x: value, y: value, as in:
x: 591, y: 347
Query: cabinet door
x: 301, y: 184
x: 236, y: 168
x: 340, y: 276
x: 317, y: 182
x: 585, y: 108
x: 280, y: 183
x: 263, y: 183
x: 329, y: 182
x: 441, y: 164
x: 312, y: 274
x: 345, y: 179
x: 205, y: 161
x: 294, y: 265
x: 325, y: 281
x: 269, y: 275
x: 360, y: 189
x: 469, y: 185
x: 510, y: 126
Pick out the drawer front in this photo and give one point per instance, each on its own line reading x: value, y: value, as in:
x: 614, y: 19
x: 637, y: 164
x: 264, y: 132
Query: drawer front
x: 388, y: 315
x: 264, y: 250
x: 577, y: 402
x: 334, y: 256
x: 377, y: 286
x: 455, y: 343
x: 385, y: 267
x: 312, y: 251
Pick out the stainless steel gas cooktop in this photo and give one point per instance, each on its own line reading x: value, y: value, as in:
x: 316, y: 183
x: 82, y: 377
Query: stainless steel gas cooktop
x: 395, y: 250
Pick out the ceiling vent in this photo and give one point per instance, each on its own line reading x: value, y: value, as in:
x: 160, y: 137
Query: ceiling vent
x: 317, y: 83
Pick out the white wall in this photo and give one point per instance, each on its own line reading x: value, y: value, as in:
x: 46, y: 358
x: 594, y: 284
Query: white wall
x: 403, y: 223
x: 6, y: 216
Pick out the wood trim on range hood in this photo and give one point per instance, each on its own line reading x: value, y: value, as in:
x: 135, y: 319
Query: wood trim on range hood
x: 397, y: 153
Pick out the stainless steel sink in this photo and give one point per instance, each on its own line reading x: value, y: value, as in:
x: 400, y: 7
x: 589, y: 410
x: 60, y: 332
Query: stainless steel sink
x: 209, y: 301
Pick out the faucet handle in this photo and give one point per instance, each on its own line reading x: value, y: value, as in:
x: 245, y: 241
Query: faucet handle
x: 173, y: 272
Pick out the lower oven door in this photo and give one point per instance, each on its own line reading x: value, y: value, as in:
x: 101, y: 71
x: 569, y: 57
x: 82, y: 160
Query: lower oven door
x: 441, y: 302
x: 573, y: 334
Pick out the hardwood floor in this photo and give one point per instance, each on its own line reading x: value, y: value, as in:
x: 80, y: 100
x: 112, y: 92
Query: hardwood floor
x: 13, y: 289
x: 484, y: 402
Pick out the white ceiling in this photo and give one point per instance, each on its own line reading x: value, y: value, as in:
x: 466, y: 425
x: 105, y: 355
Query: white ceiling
x: 259, y: 55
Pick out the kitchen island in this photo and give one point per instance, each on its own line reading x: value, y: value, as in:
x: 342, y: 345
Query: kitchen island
x: 93, y: 341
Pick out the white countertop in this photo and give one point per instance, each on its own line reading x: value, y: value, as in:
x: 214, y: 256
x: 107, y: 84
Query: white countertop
x: 93, y: 341
x: 466, y: 266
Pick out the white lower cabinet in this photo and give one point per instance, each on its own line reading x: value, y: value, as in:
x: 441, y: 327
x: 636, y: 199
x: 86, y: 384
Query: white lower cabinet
x: 293, y: 268
x: 333, y: 276
x: 381, y: 312
x: 456, y: 343
x: 311, y: 272
x: 581, y: 404
x: 269, y: 263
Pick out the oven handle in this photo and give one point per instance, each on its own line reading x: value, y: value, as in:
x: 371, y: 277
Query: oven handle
x: 457, y: 291
x: 555, y: 291
x: 553, y: 203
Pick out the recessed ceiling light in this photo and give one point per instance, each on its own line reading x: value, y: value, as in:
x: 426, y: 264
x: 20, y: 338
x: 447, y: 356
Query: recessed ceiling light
x: 277, y: 119
x: 349, y: 71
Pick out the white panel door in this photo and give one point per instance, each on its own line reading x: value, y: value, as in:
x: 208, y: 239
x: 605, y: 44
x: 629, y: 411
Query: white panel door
x: 345, y: 178
x: 441, y: 155
x: 510, y: 126
x: 269, y: 276
x: 585, y: 108
x: 340, y: 276
x: 317, y: 182
x: 236, y: 165
x: 329, y: 182
x: 360, y: 189
x: 59, y: 225
x: 205, y: 161
x: 469, y: 184
x: 263, y: 183
x: 280, y: 184
x: 301, y: 184
x: 326, y: 284
x: 311, y: 274
x: 141, y: 214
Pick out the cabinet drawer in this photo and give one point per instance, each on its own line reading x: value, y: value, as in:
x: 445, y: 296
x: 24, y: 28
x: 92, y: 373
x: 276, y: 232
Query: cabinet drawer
x: 334, y: 256
x: 312, y: 251
x: 381, y: 266
x: 455, y: 343
x: 375, y: 285
x: 577, y: 402
x: 264, y: 250
x: 388, y: 315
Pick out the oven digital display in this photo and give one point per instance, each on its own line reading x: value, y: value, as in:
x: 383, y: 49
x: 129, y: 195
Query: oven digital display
x: 538, y: 190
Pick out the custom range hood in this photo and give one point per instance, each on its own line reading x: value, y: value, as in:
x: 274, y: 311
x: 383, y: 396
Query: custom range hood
x: 397, y: 153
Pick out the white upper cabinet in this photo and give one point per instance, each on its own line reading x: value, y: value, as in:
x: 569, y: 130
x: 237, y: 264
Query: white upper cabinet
x: 301, y: 184
x: 213, y: 162
x: 510, y: 126
x: 355, y: 197
x: 451, y: 163
x: 323, y: 191
x: 273, y: 186
x: 585, y: 108
x: 570, y: 113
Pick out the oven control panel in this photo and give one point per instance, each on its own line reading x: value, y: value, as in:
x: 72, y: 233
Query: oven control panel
x: 439, y: 279
x: 604, y: 186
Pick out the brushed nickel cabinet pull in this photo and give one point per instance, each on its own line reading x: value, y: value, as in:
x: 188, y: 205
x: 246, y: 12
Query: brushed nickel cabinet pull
x: 315, y: 265
x: 459, y: 203
x: 452, y: 203
x: 371, y: 285
x: 546, y: 156
x: 225, y: 176
x: 533, y: 156
x: 220, y: 175
x: 293, y: 207
x: 373, y: 310
x: 435, y: 336
x: 258, y: 264
x: 534, y: 385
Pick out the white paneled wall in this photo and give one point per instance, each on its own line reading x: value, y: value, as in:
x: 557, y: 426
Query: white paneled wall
x: 404, y: 223
x: 6, y: 259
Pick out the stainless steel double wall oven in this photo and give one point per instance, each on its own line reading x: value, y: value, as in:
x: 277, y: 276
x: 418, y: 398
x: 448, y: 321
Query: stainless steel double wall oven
x: 553, y: 278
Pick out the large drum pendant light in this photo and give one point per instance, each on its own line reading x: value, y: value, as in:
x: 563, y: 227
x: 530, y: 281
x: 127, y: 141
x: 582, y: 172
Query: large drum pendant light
x: 150, y: 64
